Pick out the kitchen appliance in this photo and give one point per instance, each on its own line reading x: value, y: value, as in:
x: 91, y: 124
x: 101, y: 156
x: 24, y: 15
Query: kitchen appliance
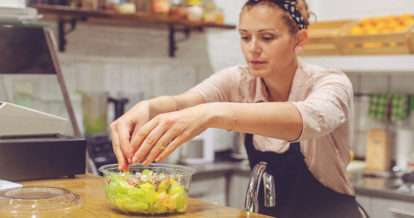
x: 403, y: 145
x: 199, y: 150
x: 17, y: 121
x: 13, y: 3
x: 29, y: 50
x: 27, y: 158
x: 95, y: 108
x: 4, y: 184
x: 32, y: 145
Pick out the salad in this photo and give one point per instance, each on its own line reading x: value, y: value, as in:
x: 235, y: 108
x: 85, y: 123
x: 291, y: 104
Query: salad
x: 146, y: 192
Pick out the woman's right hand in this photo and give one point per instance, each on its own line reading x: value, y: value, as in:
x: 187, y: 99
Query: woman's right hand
x: 123, y: 128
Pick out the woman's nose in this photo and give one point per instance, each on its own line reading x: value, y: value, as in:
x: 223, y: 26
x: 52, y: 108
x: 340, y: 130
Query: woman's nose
x: 254, y: 46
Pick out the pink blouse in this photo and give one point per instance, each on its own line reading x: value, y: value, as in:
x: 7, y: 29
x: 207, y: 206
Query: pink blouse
x: 324, y: 99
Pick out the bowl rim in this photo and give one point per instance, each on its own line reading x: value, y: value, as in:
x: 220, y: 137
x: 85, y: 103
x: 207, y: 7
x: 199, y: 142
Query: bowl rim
x: 186, y: 170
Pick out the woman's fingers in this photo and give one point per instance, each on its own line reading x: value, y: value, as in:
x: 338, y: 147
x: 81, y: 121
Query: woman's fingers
x: 122, y: 161
x: 123, y: 131
x: 160, y: 146
x: 152, y: 133
x: 138, y: 136
x: 170, y: 148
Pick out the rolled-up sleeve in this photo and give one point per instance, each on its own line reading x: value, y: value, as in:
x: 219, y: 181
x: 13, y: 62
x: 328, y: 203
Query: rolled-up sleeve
x: 327, y: 106
x: 218, y: 87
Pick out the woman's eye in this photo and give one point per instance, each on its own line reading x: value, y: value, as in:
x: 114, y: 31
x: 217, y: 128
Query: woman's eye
x: 268, y: 38
x: 244, y: 38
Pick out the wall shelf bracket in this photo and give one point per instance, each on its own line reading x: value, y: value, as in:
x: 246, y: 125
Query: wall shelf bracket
x: 173, y: 41
x: 62, y: 31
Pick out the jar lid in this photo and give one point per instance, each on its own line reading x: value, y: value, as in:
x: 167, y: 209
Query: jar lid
x: 38, y: 200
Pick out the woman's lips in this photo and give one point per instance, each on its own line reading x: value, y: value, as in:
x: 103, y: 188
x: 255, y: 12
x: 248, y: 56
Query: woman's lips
x: 257, y: 63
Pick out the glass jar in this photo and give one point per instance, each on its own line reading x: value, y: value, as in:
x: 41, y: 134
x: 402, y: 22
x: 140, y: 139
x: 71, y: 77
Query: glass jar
x: 160, y: 6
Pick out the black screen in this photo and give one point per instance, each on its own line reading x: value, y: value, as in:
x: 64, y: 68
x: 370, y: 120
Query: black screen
x: 24, y: 50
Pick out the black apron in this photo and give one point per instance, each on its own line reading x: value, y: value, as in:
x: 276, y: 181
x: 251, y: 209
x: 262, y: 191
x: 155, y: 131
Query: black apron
x: 298, y: 193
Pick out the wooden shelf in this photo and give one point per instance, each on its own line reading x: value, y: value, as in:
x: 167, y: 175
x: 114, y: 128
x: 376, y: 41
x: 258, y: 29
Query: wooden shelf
x: 70, y: 15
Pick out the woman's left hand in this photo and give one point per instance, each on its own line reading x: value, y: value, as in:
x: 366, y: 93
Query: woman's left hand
x: 165, y: 132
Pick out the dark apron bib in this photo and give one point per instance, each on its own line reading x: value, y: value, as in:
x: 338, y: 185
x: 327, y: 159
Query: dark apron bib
x: 298, y: 193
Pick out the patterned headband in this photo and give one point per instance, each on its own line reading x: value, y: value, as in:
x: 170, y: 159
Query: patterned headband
x: 290, y: 7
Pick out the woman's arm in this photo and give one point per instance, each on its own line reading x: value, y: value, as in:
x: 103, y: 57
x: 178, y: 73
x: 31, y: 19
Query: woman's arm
x: 166, y: 132
x: 164, y: 104
x: 279, y: 120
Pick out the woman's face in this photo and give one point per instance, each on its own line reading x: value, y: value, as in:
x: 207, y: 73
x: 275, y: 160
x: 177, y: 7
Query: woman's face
x: 267, y: 45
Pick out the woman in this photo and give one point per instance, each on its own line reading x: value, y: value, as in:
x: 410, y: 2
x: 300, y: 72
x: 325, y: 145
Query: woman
x: 295, y: 116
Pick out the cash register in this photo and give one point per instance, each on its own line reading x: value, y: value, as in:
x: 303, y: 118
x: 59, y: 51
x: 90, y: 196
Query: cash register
x: 34, y: 143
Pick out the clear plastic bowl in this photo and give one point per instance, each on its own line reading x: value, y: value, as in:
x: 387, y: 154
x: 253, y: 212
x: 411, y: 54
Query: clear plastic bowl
x: 38, y: 201
x: 155, y: 189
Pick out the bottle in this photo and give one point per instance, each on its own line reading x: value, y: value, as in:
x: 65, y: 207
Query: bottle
x: 142, y: 6
x: 194, y: 10
x: 410, y: 162
x: 160, y: 6
x: 178, y: 9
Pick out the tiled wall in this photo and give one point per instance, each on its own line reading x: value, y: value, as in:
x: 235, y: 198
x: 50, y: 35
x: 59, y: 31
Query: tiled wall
x: 377, y: 82
x: 131, y: 62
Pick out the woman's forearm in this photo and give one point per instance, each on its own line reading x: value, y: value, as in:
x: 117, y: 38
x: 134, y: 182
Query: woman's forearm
x: 164, y: 104
x: 279, y: 120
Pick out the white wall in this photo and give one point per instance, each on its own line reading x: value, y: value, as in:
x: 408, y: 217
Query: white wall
x: 351, y: 9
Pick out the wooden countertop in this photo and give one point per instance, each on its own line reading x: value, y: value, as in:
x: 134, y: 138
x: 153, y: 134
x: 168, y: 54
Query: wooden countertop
x: 91, y: 190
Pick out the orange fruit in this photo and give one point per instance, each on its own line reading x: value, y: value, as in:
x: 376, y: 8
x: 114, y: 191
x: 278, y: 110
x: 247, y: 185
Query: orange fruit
x: 365, y: 21
x: 370, y: 29
x: 406, y: 16
x: 356, y: 30
x: 378, y: 20
x: 390, y: 18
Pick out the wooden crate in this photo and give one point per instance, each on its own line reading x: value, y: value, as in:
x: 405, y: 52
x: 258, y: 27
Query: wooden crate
x: 412, y: 40
x: 377, y: 44
x: 324, y: 38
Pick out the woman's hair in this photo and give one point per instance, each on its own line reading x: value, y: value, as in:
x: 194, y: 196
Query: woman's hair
x: 287, y: 17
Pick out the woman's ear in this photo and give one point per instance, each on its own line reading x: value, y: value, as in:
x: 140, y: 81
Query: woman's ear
x: 302, y: 38
x: 298, y: 49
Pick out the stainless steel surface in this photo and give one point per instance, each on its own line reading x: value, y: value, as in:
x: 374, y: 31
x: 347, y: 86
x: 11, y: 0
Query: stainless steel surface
x: 401, y: 213
x: 269, y: 190
x: 251, y: 203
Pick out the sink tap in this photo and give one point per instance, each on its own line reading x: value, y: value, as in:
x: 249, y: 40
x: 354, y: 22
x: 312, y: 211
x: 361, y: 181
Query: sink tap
x: 251, y: 203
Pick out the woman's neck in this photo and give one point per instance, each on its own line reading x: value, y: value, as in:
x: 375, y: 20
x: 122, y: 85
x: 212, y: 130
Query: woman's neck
x: 279, y: 86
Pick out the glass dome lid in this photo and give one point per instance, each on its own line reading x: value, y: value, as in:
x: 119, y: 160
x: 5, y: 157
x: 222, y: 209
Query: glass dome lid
x: 38, y: 200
